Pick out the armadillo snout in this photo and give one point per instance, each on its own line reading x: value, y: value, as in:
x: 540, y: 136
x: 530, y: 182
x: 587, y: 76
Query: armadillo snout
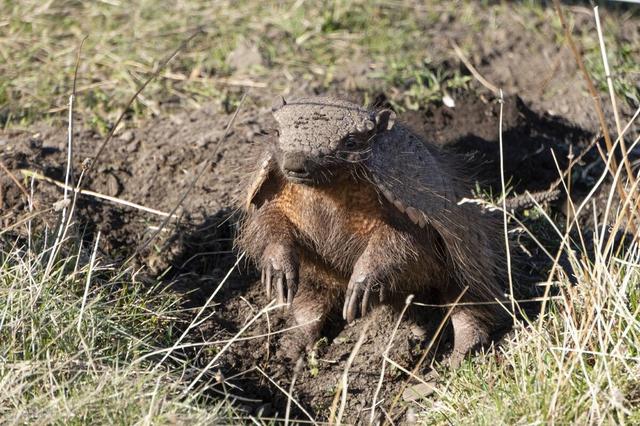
x: 294, y: 166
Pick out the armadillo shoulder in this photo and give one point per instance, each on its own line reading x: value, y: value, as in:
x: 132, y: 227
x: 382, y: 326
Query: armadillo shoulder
x: 409, y: 176
x: 416, y: 179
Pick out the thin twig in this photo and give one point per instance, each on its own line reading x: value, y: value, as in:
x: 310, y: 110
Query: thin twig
x: 504, y: 209
x: 62, y: 228
x: 342, y: 390
x: 224, y: 341
x: 25, y: 219
x: 281, y: 389
x: 14, y: 179
x: 296, y: 370
x: 385, y: 355
x: 473, y: 70
x: 487, y: 302
x: 206, y: 164
x: 89, y: 193
x: 88, y: 281
x: 415, y: 370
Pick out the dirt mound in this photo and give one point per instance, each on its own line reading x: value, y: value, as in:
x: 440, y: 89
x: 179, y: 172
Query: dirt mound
x: 154, y: 166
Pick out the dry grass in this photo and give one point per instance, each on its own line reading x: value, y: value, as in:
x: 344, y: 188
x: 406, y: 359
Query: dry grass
x: 84, y: 342
x: 301, y: 45
x: 70, y: 341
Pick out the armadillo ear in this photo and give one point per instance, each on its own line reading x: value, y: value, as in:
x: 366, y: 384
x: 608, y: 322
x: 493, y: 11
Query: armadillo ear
x: 385, y: 119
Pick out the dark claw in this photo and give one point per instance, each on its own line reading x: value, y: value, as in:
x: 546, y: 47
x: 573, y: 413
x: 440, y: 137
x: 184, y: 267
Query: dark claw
x: 292, y: 287
x: 365, y: 301
x: 280, y: 273
x: 352, y: 309
x: 267, y: 281
x: 355, y: 291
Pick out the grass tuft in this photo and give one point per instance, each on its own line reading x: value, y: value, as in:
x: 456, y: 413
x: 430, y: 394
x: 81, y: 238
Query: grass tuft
x: 70, y: 357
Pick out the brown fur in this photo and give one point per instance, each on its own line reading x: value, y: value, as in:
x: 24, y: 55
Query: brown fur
x: 349, y: 228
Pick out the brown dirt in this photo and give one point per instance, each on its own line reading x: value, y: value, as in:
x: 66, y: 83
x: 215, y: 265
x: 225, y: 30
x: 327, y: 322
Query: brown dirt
x: 154, y: 165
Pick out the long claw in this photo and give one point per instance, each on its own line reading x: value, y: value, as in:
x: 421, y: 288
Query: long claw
x: 280, y: 288
x: 365, y: 301
x: 347, y: 298
x: 292, y: 287
x: 267, y: 282
x: 353, y: 306
x: 290, y: 294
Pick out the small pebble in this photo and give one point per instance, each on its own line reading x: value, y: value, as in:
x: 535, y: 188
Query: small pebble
x: 411, y: 417
x: 113, y: 187
x: 203, y: 141
x: 127, y: 136
x: 417, y: 330
x: 132, y: 147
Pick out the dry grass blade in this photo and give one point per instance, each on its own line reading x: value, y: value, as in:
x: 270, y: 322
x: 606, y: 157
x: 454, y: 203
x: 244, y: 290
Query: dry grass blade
x: 504, y: 208
x: 27, y: 218
x: 342, y: 388
x: 211, y: 363
x: 426, y: 351
x: 195, y: 179
x: 296, y: 371
x: 14, y: 179
x: 385, y: 355
x: 598, y: 108
x: 64, y: 221
x: 612, y: 94
x: 198, y: 315
x: 288, y: 395
x: 473, y: 70
x: 115, y: 200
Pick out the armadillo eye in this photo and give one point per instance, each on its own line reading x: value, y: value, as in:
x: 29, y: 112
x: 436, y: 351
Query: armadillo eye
x: 350, y: 142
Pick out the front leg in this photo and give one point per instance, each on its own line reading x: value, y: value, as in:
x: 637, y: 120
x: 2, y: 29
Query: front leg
x: 384, y: 257
x: 267, y: 236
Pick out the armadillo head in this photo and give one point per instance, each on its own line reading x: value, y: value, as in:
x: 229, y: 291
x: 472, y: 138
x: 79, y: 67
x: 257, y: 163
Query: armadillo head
x: 321, y: 138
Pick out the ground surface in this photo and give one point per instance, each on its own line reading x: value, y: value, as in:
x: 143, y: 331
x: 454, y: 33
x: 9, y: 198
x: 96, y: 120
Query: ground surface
x: 154, y: 166
x: 546, y: 108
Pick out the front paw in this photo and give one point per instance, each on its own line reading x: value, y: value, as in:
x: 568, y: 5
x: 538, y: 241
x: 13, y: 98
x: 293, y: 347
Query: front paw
x: 280, y: 269
x: 359, y: 289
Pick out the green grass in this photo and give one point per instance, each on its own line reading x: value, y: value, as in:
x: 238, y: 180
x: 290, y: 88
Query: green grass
x: 70, y: 359
x: 579, y: 365
x: 299, y: 41
x: 81, y: 339
x: 68, y: 355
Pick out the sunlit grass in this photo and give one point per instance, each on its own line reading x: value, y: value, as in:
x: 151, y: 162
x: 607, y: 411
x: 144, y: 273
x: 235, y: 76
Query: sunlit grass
x: 72, y: 357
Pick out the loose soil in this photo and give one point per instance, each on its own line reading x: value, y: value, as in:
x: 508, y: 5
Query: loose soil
x: 154, y: 166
